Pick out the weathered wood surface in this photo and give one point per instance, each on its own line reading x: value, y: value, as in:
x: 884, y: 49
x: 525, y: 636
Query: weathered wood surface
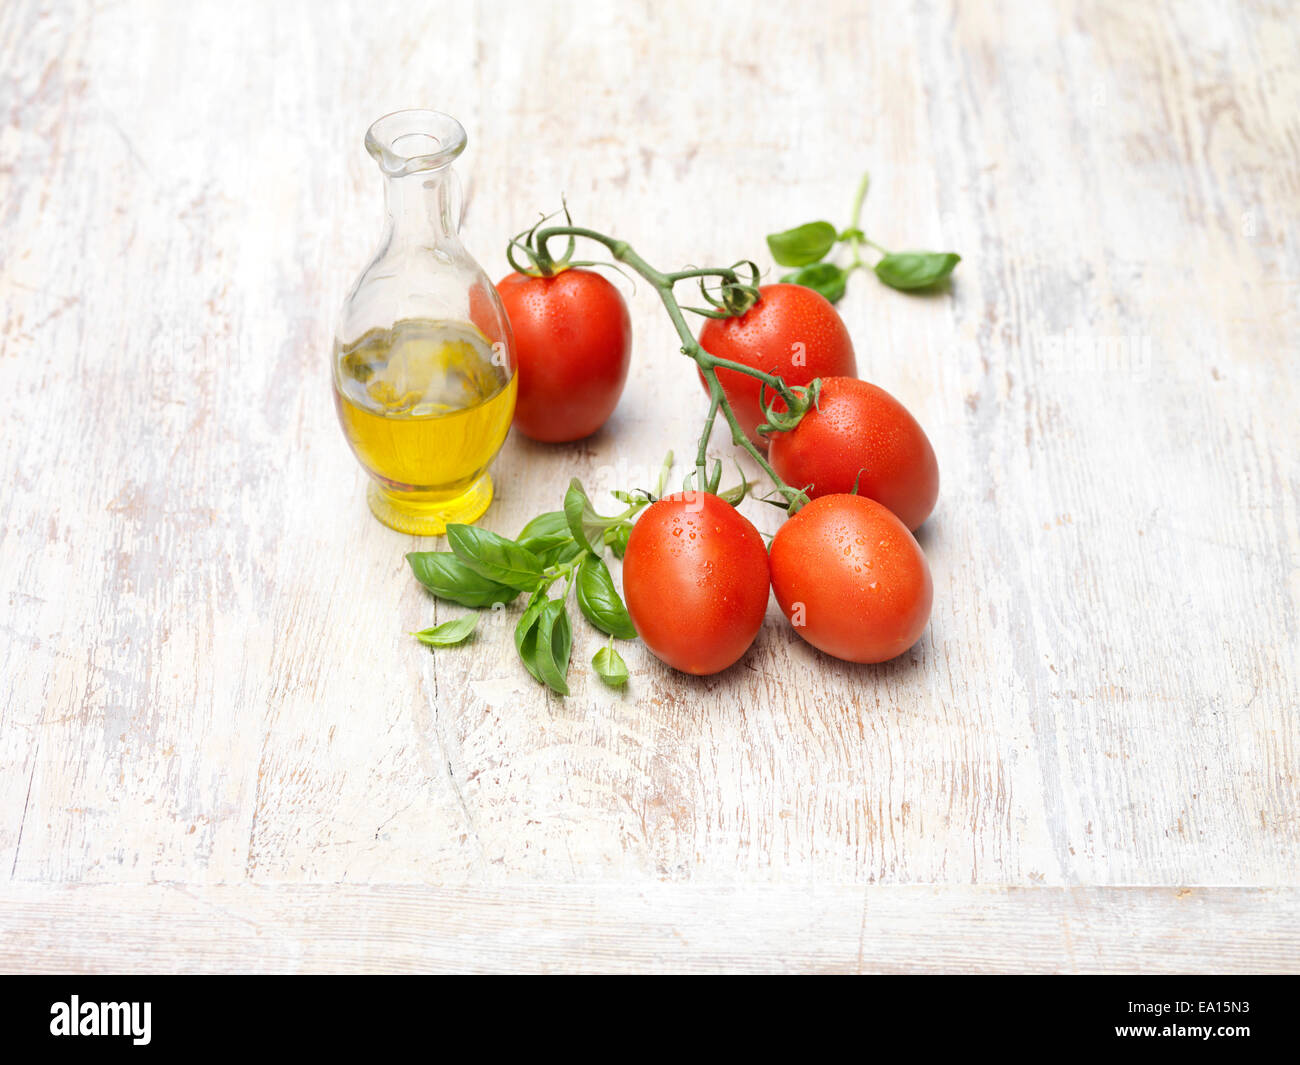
x: 206, y: 673
x: 650, y: 925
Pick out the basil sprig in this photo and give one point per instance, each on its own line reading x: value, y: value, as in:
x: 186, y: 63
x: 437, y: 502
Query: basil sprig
x: 484, y: 569
x: 808, y: 245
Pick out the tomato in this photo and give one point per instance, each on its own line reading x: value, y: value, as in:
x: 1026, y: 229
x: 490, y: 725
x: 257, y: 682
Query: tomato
x: 791, y: 331
x: 852, y: 579
x: 573, y: 342
x: 695, y: 579
x: 858, y: 433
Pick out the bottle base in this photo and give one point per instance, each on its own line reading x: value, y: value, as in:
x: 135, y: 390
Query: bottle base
x: 424, y: 517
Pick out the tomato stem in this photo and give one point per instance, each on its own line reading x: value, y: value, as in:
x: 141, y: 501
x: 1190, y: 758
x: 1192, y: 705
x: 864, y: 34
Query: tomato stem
x: 736, y: 294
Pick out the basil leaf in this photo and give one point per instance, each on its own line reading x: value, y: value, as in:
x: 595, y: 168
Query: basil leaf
x: 526, y: 632
x: 826, y: 278
x: 586, y: 525
x: 803, y: 244
x: 554, y: 642
x: 561, y: 553
x: 544, y: 532
x: 495, y: 557
x: 610, y: 667
x: 449, y: 578
x: 617, y: 539
x: 599, y: 600
x: 449, y: 633
x: 909, y: 270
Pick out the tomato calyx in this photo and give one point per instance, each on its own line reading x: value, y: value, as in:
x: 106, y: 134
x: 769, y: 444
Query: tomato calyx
x: 541, y: 264
x: 734, y: 495
x: 735, y: 297
x: 782, y: 421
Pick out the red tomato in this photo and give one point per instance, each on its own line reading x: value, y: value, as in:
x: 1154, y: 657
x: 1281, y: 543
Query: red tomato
x: 573, y: 342
x: 858, y: 433
x: 851, y: 579
x: 695, y: 579
x: 792, y: 332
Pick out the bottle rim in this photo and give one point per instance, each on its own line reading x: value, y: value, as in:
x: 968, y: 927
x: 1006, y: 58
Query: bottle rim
x: 414, y: 140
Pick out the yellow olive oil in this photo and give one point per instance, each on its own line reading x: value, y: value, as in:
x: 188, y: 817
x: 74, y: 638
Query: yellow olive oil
x: 425, y: 406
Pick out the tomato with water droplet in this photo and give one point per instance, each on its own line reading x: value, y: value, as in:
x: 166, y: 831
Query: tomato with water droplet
x: 697, y: 600
x: 820, y: 561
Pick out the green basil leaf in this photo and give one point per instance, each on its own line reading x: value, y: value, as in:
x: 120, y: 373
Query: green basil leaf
x: 585, y: 524
x: 617, y: 538
x: 449, y: 633
x: 610, y: 667
x: 803, y: 244
x: 495, y: 557
x: 447, y: 577
x: 561, y: 553
x: 826, y: 278
x: 554, y: 642
x: 909, y: 270
x: 545, y: 532
x: 852, y: 233
x: 526, y: 632
x: 599, y: 600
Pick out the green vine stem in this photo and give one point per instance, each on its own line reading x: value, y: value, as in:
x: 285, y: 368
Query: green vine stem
x: 737, y: 297
x: 857, y: 238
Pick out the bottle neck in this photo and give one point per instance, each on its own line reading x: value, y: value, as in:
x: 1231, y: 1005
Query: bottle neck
x: 423, y: 209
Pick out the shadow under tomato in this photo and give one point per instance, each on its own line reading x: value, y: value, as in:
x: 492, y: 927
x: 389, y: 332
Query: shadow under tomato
x: 765, y: 660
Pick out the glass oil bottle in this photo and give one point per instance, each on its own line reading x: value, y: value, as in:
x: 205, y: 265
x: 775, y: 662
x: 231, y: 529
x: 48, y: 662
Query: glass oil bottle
x: 424, y: 367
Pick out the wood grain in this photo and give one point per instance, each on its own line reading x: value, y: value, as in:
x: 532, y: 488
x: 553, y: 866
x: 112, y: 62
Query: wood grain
x: 651, y: 926
x: 207, y: 678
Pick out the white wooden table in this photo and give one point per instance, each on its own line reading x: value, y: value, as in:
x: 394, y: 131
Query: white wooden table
x: 220, y: 749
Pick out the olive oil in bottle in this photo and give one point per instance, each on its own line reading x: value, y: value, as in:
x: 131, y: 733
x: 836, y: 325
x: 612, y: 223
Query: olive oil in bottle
x: 423, y: 358
x: 425, y: 406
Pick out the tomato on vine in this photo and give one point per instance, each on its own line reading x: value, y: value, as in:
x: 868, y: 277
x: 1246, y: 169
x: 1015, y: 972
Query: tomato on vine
x: 695, y: 577
x: 857, y: 437
x: 573, y: 344
x: 791, y: 332
x: 851, y: 579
